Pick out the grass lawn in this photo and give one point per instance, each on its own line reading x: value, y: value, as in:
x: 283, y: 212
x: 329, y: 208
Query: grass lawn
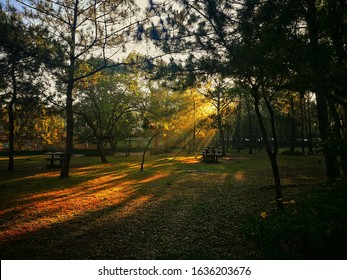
x: 178, y: 208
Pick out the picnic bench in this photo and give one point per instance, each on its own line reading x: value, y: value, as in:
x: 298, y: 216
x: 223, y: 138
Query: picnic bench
x: 211, y: 154
x: 54, y: 156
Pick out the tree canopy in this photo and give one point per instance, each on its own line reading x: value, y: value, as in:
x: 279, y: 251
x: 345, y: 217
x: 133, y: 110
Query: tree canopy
x: 281, y: 63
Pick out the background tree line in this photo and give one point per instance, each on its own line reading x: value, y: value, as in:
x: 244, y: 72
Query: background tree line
x: 269, y: 48
x: 273, y: 71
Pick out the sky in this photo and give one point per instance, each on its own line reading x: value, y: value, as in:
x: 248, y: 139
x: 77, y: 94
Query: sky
x: 141, y: 47
x: 141, y: 3
x: 13, y: 2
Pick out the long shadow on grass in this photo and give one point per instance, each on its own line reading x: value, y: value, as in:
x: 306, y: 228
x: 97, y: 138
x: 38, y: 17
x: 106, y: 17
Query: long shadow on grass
x: 41, y: 186
x: 172, y: 215
x: 44, y: 209
x: 159, y: 219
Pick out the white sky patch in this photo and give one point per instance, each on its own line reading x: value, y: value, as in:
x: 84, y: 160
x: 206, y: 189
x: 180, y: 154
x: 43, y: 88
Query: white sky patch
x: 144, y: 46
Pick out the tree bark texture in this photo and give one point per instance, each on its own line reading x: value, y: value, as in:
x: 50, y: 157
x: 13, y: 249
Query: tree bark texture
x: 250, y: 123
x: 272, y: 154
x: 11, y: 119
x: 331, y: 163
x: 65, y: 168
x: 221, y: 132
x: 293, y: 125
x: 101, y: 150
x: 309, y: 125
x: 145, y: 151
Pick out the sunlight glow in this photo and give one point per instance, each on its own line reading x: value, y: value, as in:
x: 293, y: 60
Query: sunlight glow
x: 239, y: 175
x: 41, y: 211
x: 189, y: 160
x: 208, y: 138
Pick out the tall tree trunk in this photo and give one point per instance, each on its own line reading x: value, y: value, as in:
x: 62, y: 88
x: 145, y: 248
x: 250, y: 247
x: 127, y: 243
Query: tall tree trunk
x: 11, y: 137
x: 11, y: 119
x: 221, y: 132
x: 259, y: 142
x: 250, y: 124
x: 272, y: 153
x: 303, y: 121
x: 145, y: 151
x: 331, y: 163
x: 344, y: 144
x: 129, y: 146
x: 113, y: 145
x: 309, y: 125
x: 337, y: 122
x: 65, y: 168
x: 344, y: 126
x: 238, y: 127
x: 194, y: 127
x: 293, y: 125
x: 101, y: 150
x: 337, y: 134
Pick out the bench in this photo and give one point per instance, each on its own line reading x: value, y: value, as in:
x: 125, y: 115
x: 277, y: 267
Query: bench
x: 54, y: 156
x: 211, y: 154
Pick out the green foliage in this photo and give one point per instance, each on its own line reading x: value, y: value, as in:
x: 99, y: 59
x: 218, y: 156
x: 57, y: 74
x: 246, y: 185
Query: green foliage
x: 22, y: 51
x: 107, y: 105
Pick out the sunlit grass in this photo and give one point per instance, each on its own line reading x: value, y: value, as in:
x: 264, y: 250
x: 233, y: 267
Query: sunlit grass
x: 37, y: 211
x: 188, y: 159
x: 175, y: 201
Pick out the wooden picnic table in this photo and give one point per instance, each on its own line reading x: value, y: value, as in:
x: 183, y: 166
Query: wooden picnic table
x: 211, y: 154
x: 54, y: 156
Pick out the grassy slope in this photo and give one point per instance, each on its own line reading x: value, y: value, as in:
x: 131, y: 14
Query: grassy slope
x: 178, y: 208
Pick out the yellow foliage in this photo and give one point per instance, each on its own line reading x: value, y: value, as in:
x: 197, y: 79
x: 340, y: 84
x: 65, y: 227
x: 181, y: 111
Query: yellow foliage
x: 51, y: 128
x: 263, y: 215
